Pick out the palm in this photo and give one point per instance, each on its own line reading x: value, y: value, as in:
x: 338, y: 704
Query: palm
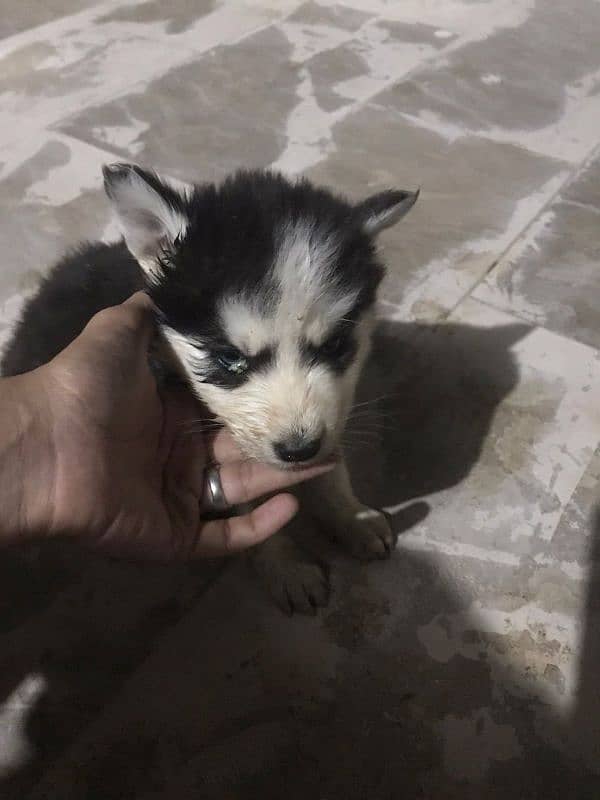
x: 125, y: 468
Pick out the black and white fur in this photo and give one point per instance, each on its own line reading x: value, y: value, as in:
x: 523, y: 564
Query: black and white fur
x: 266, y: 289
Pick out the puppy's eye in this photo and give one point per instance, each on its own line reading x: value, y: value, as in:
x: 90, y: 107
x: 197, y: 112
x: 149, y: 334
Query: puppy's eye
x: 232, y: 360
x: 337, y: 346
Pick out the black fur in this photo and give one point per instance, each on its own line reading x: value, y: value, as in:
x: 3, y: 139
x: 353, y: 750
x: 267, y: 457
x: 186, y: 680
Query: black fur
x: 232, y: 239
x: 336, y: 352
x: 89, y: 279
x: 229, y: 245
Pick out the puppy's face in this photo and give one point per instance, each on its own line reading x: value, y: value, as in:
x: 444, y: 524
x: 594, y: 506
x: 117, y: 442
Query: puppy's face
x: 266, y: 289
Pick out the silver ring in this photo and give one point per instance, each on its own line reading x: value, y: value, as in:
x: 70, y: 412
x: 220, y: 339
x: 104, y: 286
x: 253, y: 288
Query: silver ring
x: 214, y: 493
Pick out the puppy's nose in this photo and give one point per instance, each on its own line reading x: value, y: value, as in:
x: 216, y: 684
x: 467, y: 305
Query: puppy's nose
x: 297, y: 448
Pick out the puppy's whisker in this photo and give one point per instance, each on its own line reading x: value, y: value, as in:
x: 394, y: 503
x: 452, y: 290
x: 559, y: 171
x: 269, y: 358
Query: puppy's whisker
x: 357, y: 447
x: 368, y: 415
x: 373, y: 401
x: 192, y: 427
x: 366, y: 424
x: 201, y: 421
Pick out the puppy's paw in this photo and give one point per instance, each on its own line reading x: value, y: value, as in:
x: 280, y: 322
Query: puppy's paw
x: 296, y: 584
x: 300, y: 587
x: 367, y: 535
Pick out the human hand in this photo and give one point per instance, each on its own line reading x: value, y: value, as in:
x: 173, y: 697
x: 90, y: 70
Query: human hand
x: 106, y: 458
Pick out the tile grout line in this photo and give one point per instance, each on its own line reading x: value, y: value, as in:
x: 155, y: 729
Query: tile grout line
x: 572, y: 176
x: 533, y: 325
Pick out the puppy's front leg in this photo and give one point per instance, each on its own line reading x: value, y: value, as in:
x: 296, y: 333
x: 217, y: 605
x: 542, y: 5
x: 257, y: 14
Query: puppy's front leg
x: 363, y: 531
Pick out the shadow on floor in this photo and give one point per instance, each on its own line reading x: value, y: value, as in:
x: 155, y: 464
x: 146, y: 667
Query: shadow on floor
x: 228, y: 701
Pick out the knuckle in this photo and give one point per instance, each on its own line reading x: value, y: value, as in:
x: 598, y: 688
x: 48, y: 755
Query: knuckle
x: 125, y: 318
x: 129, y: 318
x: 103, y: 318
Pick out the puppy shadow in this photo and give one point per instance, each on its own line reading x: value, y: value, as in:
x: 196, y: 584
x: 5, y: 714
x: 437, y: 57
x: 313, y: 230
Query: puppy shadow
x: 424, y: 406
x: 339, y: 712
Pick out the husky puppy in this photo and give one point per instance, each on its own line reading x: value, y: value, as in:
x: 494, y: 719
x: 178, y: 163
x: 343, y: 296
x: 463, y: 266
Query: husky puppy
x: 266, y: 291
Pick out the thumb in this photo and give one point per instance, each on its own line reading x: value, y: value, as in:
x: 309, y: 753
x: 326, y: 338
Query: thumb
x: 139, y: 316
x: 120, y: 333
x: 132, y: 323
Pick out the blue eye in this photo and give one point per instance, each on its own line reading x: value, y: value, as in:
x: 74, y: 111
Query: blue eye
x: 232, y: 360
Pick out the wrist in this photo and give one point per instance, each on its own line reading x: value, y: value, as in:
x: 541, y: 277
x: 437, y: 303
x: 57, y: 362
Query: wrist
x: 26, y: 458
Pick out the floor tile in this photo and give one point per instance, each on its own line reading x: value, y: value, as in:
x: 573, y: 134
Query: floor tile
x: 550, y: 276
x: 50, y: 74
x: 476, y: 197
x: 38, y: 12
x: 205, y: 118
x: 403, y: 667
x: 176, y: 16
x: 517, y: 419
x: 533, y: 84
x: 51, y: 199
x: 272, y: 97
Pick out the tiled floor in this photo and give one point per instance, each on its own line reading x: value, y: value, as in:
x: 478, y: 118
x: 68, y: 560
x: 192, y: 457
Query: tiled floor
x: 468, y: 665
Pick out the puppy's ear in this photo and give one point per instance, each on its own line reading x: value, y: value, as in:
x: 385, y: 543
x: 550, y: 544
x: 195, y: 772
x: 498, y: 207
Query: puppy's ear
x: 150, y: 212
x: 384, y: 209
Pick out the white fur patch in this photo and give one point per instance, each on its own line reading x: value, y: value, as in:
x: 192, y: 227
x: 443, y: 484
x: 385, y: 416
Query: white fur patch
x: 303, y: 268
x: 147, y: 222
x: 247, y: 328
x: 191, y: 358
x: 308, y: 305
